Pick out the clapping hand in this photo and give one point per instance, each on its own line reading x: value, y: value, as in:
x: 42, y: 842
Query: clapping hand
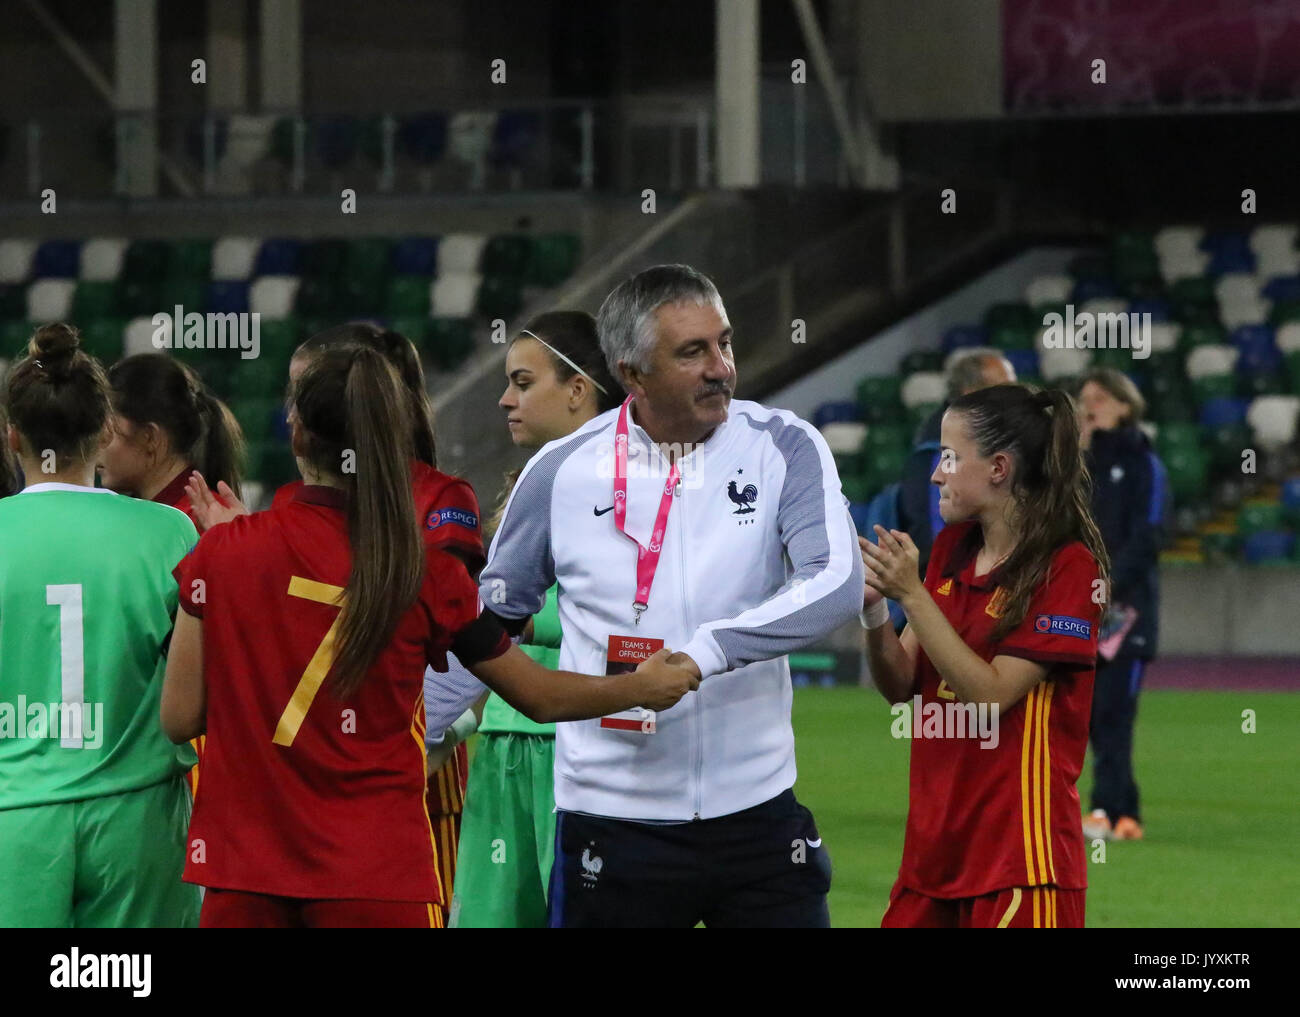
x: 210, y: 509
x: 892, y: 564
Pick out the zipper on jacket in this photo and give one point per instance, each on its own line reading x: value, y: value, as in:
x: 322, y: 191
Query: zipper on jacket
x: 696, y: 718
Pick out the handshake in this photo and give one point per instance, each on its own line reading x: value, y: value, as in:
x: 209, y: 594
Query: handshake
x: 662, y: 679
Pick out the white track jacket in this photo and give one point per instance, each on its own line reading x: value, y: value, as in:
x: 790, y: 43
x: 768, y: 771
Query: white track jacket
x: 760, y: 558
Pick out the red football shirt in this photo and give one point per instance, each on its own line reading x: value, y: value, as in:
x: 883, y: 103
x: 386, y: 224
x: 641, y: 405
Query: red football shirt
x: 175, y: 495
x: 332, y: 805
x: 447, y: 509
x: 986, y: 819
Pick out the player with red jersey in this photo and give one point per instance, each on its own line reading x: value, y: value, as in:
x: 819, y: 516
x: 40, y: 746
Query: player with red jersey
x: 997, y: 662
x: 449, y: 514
x: 166, y: 425
x: 308, y: 672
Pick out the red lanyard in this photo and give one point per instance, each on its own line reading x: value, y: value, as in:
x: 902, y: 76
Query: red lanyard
x: 647, y: 560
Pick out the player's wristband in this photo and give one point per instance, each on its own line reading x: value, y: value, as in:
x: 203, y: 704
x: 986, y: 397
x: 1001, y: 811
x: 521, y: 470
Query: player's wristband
x: 876, y: 615
x: 464, y: 726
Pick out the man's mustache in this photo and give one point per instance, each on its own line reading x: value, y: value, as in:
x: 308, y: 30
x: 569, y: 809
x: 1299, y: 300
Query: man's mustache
x: 716, y: 389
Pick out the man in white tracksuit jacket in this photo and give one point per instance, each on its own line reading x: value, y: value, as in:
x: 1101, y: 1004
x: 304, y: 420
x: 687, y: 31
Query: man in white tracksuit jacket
x: 689, y: 815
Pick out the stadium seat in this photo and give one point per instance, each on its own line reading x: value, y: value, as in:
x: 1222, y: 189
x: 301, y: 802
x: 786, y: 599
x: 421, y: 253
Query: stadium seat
x: 923, y: 360
x: 878, y: 397
x: 233, y: 258
x: 93, y: 300
x: 13, y: 301
x: 50, y: 300
x: 1188, y: 470
x: 1164, y: 337
x: 324, y: 259
x: 423, y: 137
x: 449, y: 341
x: 256, y: 415
x: 514, y: 138
x: 843, y: 437
x: 1282, y: 287
x: 1270, y: 263
x: 1157, y: 307
x: 14, y: 335
x: 57, y: 259
x: 883, y: 465
x: 461, y: 252
x: 1228, y: 438
x: 190, y: 259
x: 1236, y: 287
x: 926, y: 387
x: 1198, y: 334
x: 841, y: 412
x: 145, y: 262
x: 1287, y: 337
x: 278, y: 256
x: 102, y: 259
x: 142, y: 297
x: 138, y: 336
x: 1177, y: 266
x: 414, y: 327
x: 470, y: 139
x: 280, y: 337
x: 1059, y: 364
x: 16, y: 260
x: 1210, y: 360
x: 553, y: 258
x: 227, y: 297
x: 506, y: 255
x: 335, y: 139
x: 1012, y: 337
x: 1273, y: 419
x: 367, y: 258
x: 104, y: 338
x: 1248, y: 312
x: 190, y: 292
x: 273, y: 296
x: 453, y: 294
x: 1093, y: 289
x: 407, y: 296
x: 415, y: 256
x: 499, y: 297
x: 1273, y: 237
x: 1291, y: 501
x: 316, y: 298
x: 964, y: 336
x: 1257, y: 516
x: 1024, y: 362
x: 1268, y: 547
x: 1049, y: 289
x: 1178, y: 238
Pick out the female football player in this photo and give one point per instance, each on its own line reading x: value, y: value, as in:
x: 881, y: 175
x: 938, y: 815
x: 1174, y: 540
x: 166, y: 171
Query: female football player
x: 997, y: 664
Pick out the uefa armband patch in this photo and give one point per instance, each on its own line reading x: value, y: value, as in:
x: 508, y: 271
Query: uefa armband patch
x: 1063, y: 625
x: 458, y: 517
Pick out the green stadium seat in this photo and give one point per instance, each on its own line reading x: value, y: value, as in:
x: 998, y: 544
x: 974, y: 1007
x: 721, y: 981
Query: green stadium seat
x: 848, y: 464
x: 408, y: 296
x: 103, y: 338
x: 259, y: 376
x: 1226, y: 445
x: 1175, y: 435
x: 13, y: 301
x: 361, y: 295
x: 279, y: 339
x: 1194, y: 290
x: 145, y: 260
x: 1013, y: 337
x: 219, y: 374
x: 1255, y: 516
x: 191, y: 292
x: 1293, y: 371
x: 93, y: 300
x: 884, y: 437
x: 856, y: 487
x: 1188, y: 470
x: 317, y: 297
x: 1196, y: 334
x: 323, y: 260
x: 1269, y: 383
x: 1134, y: 265
x: 1010, y: 315
x: 878, y: 397
x: 449, y: 341
x: 920, y: 413
x: 553, y: 258
x: 1120, y: 359
x: 256, y: 414
x: 884, y: 466
x: 191, y: 259
x: 499, y: 297
x: 920, y: 360
x: 367, y: 258
x: 1284, y: 311
x: 1219, y: 548
x: 143, y: 298
x: 1214, y: 386
x: 506, y: 255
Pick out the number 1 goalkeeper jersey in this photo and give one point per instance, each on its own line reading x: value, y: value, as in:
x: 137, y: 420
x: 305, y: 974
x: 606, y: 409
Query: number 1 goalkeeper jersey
x: 87, y: 601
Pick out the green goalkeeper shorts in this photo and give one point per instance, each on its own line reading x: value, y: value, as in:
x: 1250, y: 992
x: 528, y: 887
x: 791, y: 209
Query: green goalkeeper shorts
x: 507, y: 834
x: 100, y: 863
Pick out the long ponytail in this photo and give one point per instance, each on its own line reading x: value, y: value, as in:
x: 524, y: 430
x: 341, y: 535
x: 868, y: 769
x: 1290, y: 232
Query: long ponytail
x: 1051, y: 485
x: 356, y: 420
x: 8, y: 468
x: 219, y: 454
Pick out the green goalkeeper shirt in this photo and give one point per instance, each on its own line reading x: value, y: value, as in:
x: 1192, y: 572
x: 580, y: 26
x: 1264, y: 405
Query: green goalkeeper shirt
x: 499, y: 717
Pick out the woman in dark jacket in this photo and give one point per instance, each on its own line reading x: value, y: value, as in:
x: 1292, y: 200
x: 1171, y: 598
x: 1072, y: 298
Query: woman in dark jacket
x: 1130, y: 505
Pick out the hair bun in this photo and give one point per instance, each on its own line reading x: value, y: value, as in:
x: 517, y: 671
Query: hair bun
x: 55, y: 346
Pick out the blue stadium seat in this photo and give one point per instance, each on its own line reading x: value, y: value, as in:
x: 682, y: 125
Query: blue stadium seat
x: 1222, y: 411
x: 57, y: 259
x: 423, y: 137
x: 228, y: 297
x: 1252, y: 337
x: 1094, y: 289
x: 1263, y: 358
x: 1157, y: 308
x: 1267, y: 546
x: 835, y: 413
x: 514, y: 137
x: 415, y: 256
x: 1024, y: 361
x: 1282, y: 287
x: 336, y: 141
x: 278, y: 256
x: 194, y: 145
x: 1225, y: 241
x: 962, y: 336
x: 1231, y: 259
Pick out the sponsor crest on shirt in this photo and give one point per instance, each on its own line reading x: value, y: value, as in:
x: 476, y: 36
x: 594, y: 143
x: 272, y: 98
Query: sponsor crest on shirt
x: 996, y: 603
x: 945, y: 589
x: 1063, y: 625
x: 455, y: 516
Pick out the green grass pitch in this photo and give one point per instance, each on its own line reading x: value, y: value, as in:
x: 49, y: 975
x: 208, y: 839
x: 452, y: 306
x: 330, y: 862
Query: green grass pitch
x: 1221, y: 809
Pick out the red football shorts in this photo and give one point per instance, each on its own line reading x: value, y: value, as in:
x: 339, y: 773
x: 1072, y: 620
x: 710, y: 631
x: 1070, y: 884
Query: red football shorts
x: 235, y: 909
x: 1022, y: 907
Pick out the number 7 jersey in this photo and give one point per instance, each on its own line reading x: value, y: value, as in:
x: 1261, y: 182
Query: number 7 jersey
x: 304, y: 794
x: 87, y: 602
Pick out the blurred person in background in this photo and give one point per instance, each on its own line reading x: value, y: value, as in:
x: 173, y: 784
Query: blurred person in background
x: 1130, y: 504
x: 918, y: 501
x: 10, y: 476
x: 557, y: 380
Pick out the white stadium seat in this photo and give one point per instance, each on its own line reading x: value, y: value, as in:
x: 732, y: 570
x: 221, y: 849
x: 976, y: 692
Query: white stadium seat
x: 460, y: 252
x: 1049, y: 289
x: 1183, y: 265
x: 1164, y: 336
x: 138, y: 337
x: 1062, y: 363
x: 16, y: 260
x: 1273, y: 237
x: 101, y: 259
x: 1246, y: 312
x: 1288, y: 337
x: 1205, y: 361
x: 844, y: 437
x: 1273, y: 419
x: 233, y: 258
x: 272, y: 296
x: 1176, y: 239
x: 454, y: 295
x: 923, y: 387
x: 50, y: 300
x: 1104, y: 305
x: 1236, y: 288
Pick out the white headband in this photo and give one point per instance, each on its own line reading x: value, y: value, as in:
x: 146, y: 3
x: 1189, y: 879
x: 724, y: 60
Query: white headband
x: 524, y: 331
